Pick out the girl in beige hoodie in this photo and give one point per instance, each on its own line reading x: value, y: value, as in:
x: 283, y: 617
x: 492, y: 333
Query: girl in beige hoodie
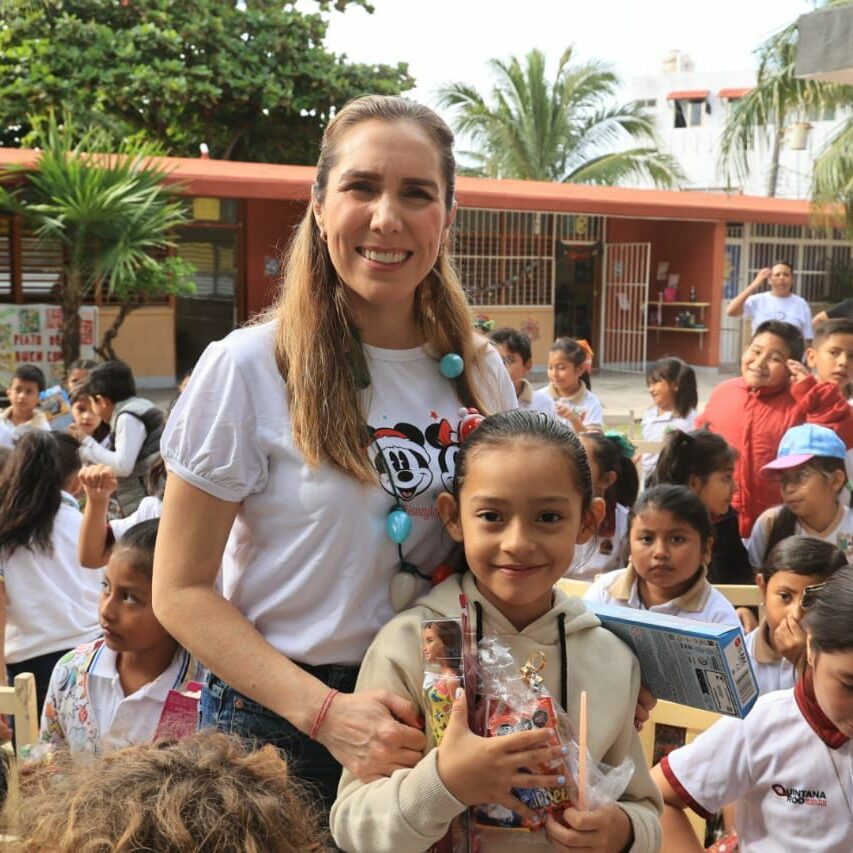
x: 522, y: 498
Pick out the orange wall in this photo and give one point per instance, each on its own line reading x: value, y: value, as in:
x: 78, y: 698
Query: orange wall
x: 267, y: 230
x: 146, y: 341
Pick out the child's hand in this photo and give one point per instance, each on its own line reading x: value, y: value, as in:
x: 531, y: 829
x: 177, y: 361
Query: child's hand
x: 798, y: 370
x: 607, y: 829
x: 5, y: 730
x: 79, y: 432
x: 748, y: 619
x: 480, y: 770
x: 98, y: 481
x: 646, y: 700
x: 789, y: 639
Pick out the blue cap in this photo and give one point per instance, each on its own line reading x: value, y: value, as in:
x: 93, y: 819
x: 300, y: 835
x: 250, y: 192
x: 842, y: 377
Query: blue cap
x: 804, y: 442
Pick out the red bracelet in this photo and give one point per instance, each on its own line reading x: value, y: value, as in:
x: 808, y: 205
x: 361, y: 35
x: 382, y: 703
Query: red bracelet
x: 321, y: 714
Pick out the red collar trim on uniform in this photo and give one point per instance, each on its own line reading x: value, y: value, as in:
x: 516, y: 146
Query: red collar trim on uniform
x: 820, y: 723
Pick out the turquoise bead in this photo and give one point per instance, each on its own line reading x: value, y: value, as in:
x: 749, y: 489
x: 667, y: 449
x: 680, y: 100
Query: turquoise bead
x: 451, y: 366
x: 398, y: 526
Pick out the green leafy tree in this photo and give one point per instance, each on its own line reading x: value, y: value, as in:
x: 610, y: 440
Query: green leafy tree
x: 252, y: 80
x: 832, y: 182
x: 760, y: 118
x: 566, y: 129
x: 111, y: 213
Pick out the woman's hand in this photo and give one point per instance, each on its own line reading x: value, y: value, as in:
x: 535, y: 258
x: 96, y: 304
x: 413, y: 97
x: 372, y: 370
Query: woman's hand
x: 98, y: 481
x: 762, y: 277
x: 645, y: 702
x: 479, y: 770
x: 606, y: 829
x: 373, y: 733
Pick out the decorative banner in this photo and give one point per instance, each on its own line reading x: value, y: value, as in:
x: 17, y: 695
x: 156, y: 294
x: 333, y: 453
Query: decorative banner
x: 31, y: 334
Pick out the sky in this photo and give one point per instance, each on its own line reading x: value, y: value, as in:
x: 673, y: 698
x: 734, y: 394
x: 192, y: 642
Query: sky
x: 445, y: 40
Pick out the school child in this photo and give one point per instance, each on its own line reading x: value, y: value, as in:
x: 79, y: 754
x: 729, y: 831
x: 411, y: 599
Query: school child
x: 614, y: 478
x: 670, y: 538
x: 754, y: 411
x: 22, y: 413
x: 136, y: 426
x: 831, y: 355
x: 810, y: 469
x: 98, y: 532
x: 788, y: 764
x: 203, y: 793
x: 85, y: 420
x: 522, y: 498
x: 110, y: 692
x: 78, y: 373
x: 568, y: 373
x: 517, y: 354
x: 705, y: 463
x: 672, y: 386
x: 48, y: 602
x: 794, y: 569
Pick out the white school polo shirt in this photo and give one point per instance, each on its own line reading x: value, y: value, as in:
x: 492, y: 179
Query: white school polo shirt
x: 701, y: 602
x: 124, y: 720
x: 772, y: 670
x: 840, y: 533
x: 789, y: 769
x: 540, y: 401
x: 655, y: 427
x: 603, y: 553
x: 150, y: 507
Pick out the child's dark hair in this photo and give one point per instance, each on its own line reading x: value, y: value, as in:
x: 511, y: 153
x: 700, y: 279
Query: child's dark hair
x: 140, y: 540
x: 610, y: 455
x: 682, y: 375
x: 515, y: 341
x: 575, y: 353
x: 787, y: 332
x: 828, y: 621
x: 83, y: 364
x: 682, y: 502
x: 839, y: 326
x: 31, y: 489
x: 512, y: 428
x: 112, y: 379
x: 30, y: 373
x: 785, y: 522
x: 803, y: 555
x: 692, y: 454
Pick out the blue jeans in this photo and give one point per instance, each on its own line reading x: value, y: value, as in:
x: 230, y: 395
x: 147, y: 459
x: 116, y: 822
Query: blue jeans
x: 223, y: 708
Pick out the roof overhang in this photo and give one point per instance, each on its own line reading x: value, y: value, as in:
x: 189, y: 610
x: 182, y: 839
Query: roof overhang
x: 825, y: 45
x: 689, y: 95
x: 731, y: 94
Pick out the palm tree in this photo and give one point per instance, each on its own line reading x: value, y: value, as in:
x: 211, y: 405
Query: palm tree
x: 761, y: 116
x: 832, y: 181
x: 567, y: 130
x: 110, y: 212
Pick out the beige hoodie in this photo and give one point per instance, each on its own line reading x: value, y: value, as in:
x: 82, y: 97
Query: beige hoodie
x: 412, y: 809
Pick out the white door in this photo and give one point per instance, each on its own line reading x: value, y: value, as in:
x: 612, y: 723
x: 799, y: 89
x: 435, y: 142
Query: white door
x: 624, y: 311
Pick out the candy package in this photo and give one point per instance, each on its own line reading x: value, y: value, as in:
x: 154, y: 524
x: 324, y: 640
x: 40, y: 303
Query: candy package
x: 510, y: 698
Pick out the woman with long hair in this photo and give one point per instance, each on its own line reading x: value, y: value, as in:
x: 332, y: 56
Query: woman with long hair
x: 306, y: 454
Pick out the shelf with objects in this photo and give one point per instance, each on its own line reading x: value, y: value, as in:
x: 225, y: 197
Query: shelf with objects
x: 684, y: 321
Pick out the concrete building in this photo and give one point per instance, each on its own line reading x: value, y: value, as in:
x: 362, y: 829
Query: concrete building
x: 691, y: 108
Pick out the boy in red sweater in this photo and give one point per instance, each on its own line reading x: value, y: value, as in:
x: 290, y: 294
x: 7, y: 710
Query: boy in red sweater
x: 774, y: 392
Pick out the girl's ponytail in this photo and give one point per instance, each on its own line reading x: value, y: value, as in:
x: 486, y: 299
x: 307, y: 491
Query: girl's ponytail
x: 784, y: 525
x: 30, y: 489
x: 676, y: 460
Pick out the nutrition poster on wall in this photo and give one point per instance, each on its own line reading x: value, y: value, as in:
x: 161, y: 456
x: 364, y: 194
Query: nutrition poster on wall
x: 31, y: 334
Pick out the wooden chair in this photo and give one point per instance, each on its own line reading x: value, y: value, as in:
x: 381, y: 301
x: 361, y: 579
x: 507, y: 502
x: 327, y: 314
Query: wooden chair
x: 573, y: 586
x: 740, y: 594
x: 622, y: 419
x: 18, y: 702
x: 693, y: 721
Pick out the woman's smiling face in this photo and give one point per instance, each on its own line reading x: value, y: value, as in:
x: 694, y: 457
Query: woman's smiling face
x: 383, y: 213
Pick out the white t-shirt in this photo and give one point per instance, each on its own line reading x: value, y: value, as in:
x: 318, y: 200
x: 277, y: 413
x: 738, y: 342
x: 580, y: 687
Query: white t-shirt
x: 606, y: 550
x: 150, y: 507
x: 121, y: 719
x: 701, y: 602
x: 51, y: 601
x: 840, y: 534
x: 655, y: 425
x: 792, y: 309
x: 786, y: 766
x: 539, y: 400
x: 308, y: 560
x: 772, y: 670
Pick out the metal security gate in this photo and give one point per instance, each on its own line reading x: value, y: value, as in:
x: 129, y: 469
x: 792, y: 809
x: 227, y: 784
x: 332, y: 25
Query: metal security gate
x: 624, y: 307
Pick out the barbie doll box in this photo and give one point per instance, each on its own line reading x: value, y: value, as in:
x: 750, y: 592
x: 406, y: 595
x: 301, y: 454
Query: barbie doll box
x: 700, y: 664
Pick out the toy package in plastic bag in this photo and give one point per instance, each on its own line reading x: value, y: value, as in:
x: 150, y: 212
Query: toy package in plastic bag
x: 511, y: 697
x: 441, y: 646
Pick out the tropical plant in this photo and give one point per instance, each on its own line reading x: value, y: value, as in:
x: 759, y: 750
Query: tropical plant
x: 779, y: 98
x: 111, y: 213
x: 832, y: 181
x: 567, y: 129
